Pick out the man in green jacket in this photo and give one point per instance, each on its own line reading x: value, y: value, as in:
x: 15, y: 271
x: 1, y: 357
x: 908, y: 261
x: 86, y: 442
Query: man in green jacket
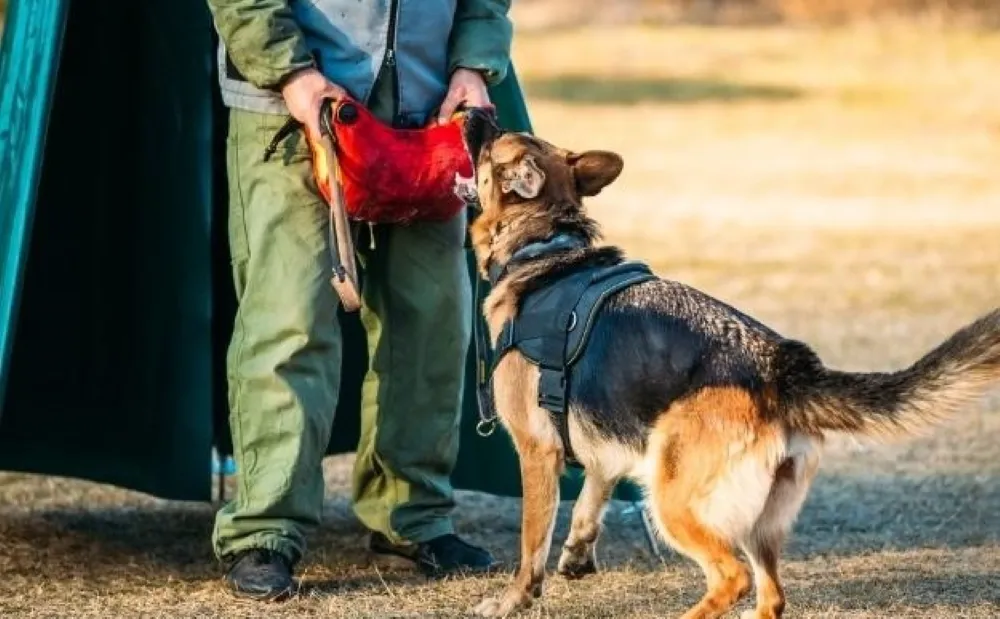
x: 404, y: 59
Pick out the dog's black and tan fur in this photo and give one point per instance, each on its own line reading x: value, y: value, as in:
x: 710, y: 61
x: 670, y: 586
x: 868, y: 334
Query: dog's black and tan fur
x: 718, y: 417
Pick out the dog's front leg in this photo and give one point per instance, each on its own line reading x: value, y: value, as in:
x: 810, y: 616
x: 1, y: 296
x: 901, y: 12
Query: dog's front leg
x: 579, y: 552
x: 541, y: 463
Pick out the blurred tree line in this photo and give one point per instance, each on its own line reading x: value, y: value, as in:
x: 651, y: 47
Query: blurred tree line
x: 821, y: 12
x: 979, y: 12
x: 824, y: 11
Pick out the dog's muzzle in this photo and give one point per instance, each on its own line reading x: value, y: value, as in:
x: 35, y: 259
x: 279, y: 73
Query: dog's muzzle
x: 481, y: 129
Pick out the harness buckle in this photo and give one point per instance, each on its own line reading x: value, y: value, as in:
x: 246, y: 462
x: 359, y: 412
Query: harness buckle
x: 552, y: 389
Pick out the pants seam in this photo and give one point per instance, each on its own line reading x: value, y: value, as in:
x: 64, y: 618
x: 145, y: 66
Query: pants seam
x: 388, y: 398
x: 241, y: 347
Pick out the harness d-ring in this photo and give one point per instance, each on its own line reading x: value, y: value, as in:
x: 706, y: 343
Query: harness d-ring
x: 489, y: 424
x: 572, y: 321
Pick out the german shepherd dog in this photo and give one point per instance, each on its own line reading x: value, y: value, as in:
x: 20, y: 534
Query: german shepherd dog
x: 720, y: 419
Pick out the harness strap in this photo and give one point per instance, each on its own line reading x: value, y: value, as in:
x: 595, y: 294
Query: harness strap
x: 552, y: 389
x: 484, y: 369
x: 552, y: 327
x: 485, y: 361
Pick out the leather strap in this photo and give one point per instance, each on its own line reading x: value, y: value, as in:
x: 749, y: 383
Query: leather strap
x: 345, y: 269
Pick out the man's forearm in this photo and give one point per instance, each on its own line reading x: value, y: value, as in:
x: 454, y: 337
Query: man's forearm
x: 262, y: 39
x: 481, y: 38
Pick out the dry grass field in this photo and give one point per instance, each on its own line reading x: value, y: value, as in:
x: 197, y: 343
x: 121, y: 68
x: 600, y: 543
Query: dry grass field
x: 842, y: 185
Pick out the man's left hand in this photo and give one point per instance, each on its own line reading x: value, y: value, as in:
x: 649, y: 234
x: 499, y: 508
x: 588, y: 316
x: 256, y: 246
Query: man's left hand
x: 466, y: 87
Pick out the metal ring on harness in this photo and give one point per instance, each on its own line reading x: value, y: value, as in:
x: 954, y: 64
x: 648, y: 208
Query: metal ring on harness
x: 492, y: 426
x: 572, y: 321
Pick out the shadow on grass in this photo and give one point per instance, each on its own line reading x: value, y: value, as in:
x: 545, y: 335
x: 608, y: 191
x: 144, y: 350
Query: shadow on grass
x: 846, y: 515
x: 151, y: 543
x: 919, y: 589
x: 110, y: 542
x: 580, y: 89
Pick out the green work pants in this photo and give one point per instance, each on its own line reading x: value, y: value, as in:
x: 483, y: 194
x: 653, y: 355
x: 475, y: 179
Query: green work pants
x: 285, y: 356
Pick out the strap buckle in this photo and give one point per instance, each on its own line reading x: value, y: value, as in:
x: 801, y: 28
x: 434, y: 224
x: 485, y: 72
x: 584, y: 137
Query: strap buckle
x: 552, y: 389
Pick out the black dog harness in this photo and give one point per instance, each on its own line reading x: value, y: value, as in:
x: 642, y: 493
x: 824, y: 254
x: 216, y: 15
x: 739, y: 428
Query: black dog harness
x: 551, y: 327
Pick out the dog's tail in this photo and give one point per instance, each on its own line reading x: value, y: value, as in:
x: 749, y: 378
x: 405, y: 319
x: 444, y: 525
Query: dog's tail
x: 816, y: 399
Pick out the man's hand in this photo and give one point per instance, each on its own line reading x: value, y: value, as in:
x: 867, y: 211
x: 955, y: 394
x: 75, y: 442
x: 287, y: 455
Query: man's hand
x: 468, y: 87
x: 304, y: 94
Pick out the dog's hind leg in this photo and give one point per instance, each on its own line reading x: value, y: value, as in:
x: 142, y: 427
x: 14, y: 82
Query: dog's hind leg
x: 579, y: 551
x: 727, y: 578
x: 762, y: 546
x: 709, y: 478
x: 541, y: 458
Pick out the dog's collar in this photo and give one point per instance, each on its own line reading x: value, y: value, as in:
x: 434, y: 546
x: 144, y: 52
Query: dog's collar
x: 553, y: 244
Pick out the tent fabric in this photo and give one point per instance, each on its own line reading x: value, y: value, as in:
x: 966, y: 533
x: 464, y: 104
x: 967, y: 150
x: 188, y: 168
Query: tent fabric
x: 28, y: 58
x: 110, y: 375
x: 117, y: 301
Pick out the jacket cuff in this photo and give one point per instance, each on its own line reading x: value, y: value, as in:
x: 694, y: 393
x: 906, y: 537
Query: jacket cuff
x: 492, y: 74
x: 482, y: 45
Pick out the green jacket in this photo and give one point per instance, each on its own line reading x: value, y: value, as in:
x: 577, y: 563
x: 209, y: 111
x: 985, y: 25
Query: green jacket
x: 262, y: 42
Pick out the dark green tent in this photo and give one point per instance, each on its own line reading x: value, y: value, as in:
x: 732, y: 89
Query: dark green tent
x: 116, y: 304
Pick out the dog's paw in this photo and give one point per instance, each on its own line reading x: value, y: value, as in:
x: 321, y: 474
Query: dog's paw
x: 574, y: 565
x: 510, y: 602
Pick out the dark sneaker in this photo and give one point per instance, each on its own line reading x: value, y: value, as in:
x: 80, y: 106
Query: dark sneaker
x: 258, y: 574
x: 440, y: 556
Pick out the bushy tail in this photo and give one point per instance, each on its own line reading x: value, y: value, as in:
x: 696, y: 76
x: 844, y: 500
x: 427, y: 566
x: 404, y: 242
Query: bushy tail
x: 816, y: 399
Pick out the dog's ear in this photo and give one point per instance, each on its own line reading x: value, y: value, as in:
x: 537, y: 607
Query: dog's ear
x: 594, y: 170
x: 524, y: 178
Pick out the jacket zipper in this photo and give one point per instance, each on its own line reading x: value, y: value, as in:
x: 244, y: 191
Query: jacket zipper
x: 390, y: 55
x: 390, y: 64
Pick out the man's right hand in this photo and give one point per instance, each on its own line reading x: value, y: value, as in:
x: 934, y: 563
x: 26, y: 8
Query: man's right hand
x: 304, y: 93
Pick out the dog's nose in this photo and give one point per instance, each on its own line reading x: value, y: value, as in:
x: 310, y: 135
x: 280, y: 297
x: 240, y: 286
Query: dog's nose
x: 480, y: 129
